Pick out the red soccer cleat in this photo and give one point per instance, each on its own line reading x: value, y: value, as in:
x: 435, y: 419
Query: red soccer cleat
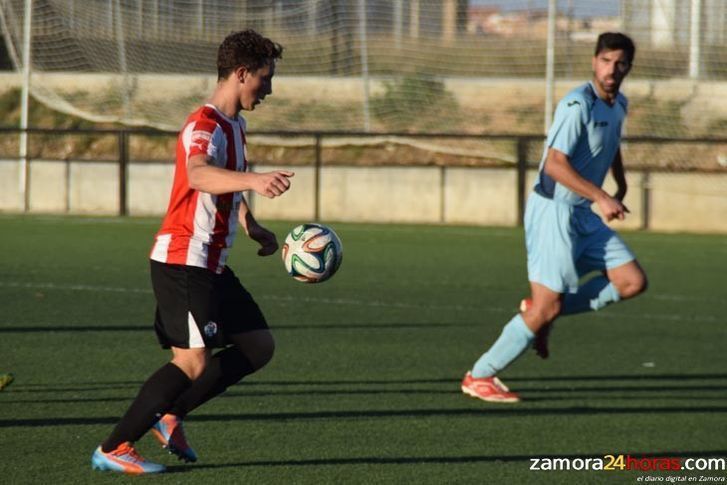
x: 489, y: 389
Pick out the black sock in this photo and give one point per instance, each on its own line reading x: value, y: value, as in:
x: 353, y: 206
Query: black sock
x: 155, y: 397
x: 224, y: 369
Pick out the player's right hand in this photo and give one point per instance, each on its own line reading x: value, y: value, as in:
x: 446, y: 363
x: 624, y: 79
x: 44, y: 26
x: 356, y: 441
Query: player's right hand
x: 272, y: 184
x: 612, y: 208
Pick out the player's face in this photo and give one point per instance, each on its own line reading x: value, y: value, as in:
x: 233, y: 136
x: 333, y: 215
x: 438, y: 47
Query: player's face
x: 610, y: 67
x: 256, y: 85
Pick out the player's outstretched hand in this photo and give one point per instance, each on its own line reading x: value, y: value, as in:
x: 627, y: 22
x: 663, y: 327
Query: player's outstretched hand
x: 272, y: 184
x: 266, y: 239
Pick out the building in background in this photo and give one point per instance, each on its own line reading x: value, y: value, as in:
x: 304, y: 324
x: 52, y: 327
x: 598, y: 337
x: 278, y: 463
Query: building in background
x: 489, y: 20
x: 667, y: 23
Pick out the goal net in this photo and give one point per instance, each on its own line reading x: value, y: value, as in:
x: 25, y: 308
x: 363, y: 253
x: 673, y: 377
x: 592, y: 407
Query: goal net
x: 405, y: 66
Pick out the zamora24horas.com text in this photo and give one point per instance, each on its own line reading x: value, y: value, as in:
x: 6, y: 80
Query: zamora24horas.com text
x: 623, y: 462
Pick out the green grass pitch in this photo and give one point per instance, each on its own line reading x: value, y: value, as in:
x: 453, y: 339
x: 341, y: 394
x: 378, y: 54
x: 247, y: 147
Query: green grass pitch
x: 364, y: 387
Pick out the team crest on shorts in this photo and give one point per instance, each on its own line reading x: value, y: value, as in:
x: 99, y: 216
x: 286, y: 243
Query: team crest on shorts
x: 210, y: 329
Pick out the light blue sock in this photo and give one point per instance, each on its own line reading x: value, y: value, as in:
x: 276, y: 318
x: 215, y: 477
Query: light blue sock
x: 513, y: 341
x: 594, y: 295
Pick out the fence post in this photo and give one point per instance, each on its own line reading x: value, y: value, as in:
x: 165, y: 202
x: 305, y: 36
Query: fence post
x: 68, y: 184
x: 26, y: 182
x: 522, y: 152
x: 442, y: 194
x: 645, y: 199
x: 317, y: 180
x: 123, y: 172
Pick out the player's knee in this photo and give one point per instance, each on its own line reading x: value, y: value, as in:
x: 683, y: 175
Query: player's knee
x: 642, y: 284
x: 636, y: 284
x: 192, y: 364
x: 543, y: 314
x: 262, y: 351
x: 265, y: 354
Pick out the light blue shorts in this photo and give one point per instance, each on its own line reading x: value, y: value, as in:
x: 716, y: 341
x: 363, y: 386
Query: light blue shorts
x: 565, y: 242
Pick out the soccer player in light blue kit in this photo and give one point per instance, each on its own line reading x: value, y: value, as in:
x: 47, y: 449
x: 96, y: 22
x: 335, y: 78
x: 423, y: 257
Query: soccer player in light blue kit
x: 565, y: 239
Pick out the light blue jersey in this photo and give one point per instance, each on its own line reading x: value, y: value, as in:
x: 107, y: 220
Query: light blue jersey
x: 588, y: 131
x: 565, y: 239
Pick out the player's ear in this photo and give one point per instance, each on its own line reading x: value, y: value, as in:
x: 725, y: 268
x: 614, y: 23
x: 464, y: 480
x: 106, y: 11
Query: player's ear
x: 240, y: 73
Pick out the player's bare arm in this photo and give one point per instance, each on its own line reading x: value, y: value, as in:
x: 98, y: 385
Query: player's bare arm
x: 206, y: 177
x: 619, y: 175
x: 558, y: 166
x: 267, y: 240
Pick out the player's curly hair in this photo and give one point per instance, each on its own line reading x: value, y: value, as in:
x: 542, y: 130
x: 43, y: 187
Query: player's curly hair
x: 616, y: 41
x: 245, y: 48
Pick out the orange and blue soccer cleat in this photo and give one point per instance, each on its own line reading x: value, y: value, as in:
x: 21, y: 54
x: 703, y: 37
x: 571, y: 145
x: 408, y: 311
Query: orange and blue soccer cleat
x: 124, y: 459
x: 490, y: 389
x: 540, y: 344
x: 169, y: 430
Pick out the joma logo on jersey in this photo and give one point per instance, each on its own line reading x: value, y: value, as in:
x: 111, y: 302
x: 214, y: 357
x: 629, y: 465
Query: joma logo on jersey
x: 572, y: 103
x: 600, y: 123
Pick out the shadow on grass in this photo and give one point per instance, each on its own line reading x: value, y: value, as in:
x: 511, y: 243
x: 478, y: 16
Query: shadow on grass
x: 529, y: 395
x: 375, y: 460
x: 323, y: 386
x: 439, y: 380
x: 242, y: 394
x: 639, y: 389
x: 454, y: 388
x: 457, y: 378
x: 476, y: 412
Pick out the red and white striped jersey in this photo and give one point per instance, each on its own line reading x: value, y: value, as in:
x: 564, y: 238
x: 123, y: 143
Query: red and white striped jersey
x: 199, y: 228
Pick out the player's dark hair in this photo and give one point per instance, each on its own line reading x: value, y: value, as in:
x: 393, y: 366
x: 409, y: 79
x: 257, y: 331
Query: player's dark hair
x: 248, y: 49
x: 612, y: 41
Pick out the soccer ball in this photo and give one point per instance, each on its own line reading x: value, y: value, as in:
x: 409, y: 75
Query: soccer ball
x: 312, y: 253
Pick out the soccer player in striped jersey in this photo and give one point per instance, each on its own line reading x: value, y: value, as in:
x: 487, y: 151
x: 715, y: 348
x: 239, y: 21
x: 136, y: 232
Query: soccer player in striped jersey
x: 201, y: 305
x: 565, y: 239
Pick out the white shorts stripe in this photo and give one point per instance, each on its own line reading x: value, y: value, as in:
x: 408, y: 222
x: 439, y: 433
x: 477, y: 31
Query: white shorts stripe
x: 195, y: 338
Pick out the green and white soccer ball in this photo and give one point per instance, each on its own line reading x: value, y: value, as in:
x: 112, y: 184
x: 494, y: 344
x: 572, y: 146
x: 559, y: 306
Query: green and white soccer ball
x: 312, y: 253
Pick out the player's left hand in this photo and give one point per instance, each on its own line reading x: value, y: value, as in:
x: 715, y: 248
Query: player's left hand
x: 267, y: 240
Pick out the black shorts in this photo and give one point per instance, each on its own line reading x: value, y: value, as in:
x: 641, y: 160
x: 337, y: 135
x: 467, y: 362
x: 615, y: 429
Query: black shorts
x: 198, y: 308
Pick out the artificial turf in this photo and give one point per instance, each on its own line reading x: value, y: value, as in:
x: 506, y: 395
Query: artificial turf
x: 364, y: 386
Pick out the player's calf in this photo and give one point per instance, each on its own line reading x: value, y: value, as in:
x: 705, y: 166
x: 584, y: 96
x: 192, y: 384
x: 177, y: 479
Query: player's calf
x: 540, y: 344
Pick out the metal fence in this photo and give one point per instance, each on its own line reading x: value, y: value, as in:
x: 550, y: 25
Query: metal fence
x: 523, y: 146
